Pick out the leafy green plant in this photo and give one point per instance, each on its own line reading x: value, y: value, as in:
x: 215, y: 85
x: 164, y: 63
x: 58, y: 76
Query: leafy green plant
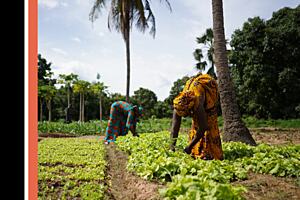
x: 71, y: 168
x: 151, y: 158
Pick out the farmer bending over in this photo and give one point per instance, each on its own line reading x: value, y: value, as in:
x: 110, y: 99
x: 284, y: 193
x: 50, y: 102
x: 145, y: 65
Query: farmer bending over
x: 123, y: 117
x: 198, y: 100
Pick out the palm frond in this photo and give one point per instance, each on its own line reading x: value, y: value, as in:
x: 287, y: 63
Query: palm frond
x: 96, y: 9
x: 168, y: 4
x: 138, y: 15
x: 150, y: 18
x: 114, y: 16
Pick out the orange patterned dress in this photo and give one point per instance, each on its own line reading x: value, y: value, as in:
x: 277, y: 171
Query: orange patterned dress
x: 209, y: 147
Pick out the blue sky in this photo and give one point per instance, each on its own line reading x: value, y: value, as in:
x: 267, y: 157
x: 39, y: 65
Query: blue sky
x: 68, y: 40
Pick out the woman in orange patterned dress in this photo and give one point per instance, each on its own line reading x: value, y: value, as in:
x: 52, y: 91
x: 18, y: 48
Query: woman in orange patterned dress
x: 199, y: 100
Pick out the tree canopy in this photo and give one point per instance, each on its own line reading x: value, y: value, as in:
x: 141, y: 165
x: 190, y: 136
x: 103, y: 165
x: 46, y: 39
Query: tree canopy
x: 266, y: 65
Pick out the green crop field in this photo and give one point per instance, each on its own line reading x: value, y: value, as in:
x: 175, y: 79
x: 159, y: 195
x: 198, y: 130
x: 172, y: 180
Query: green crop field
x: 187, y: 178
x: 71, y: 169
x: 74, y: 168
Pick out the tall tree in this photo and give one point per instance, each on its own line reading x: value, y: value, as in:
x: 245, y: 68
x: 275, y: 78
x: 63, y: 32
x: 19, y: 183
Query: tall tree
x: 147, y: 99
x: 48, y: 92
x: 234, y: 128
x: 81, y: 87
x: 68, y: 81
x: 177, y: 87
x: 44, y: 79
x: 266, y: 65
x: 207, y: 40
x: 41, y: 96
x: 98, y: 88
x: 122, y: 15
x: 198, y: 55
x: 44, y: 72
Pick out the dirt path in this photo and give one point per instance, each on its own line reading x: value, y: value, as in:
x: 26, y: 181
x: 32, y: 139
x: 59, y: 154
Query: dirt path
x: 276, y: 136
x: 124, y: 185
x: 268, y: 187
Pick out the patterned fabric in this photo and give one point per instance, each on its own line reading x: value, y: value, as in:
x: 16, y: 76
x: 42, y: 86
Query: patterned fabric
x: 209, y: 147
x: 184, y: 102
x: 123, y: 117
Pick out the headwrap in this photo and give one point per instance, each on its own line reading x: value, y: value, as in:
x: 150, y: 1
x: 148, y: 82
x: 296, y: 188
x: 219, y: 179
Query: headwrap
x: 138, y: 110
x: 141, y: 111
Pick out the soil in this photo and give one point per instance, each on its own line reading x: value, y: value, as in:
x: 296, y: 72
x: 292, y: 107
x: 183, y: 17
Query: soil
x: 123, y: 184
x: 267, y: 187
x: 276, y: 136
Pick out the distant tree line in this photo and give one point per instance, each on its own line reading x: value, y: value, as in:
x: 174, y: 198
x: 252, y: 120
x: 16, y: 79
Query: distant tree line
x: 70, y: 99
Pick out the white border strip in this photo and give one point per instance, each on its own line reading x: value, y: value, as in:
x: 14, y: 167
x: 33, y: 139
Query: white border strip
x: 26, y: 101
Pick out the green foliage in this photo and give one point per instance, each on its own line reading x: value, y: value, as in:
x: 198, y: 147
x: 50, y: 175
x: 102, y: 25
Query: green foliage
x: 71, y: 168
x: 193, y: 187
x: 81, y: 86
x: 96, y: 127
x: 44, y: 72
x: 177, y: 87
x: 151, y: 125
x: 75, y: 128
x: 252, y: 122
x: 151, y: 158
x: 206, y: 41
x: 265, y: 65
x: 163, y: 110
x: 147, y: 99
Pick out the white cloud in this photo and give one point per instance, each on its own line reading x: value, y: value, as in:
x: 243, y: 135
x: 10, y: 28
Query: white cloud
x: 101, y: 34
x: 59, y: 51
x: 50, y: 4
x: 64, y: 4
x: 76, y: 39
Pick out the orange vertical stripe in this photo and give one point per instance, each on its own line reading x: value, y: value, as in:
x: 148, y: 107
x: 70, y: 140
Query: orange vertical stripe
x: 32, y: 100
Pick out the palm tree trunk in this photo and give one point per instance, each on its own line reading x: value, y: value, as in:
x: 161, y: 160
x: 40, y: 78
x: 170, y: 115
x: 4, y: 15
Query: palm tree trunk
x: 234, y: 128
x: 82, y: 117
x: 68, y: 94
x: 80, y: 105
x: 49, y: 110
x: 127, y: 41
x: 100, y: 107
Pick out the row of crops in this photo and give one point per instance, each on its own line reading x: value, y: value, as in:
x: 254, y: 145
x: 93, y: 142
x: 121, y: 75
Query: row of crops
x: 187, y: 178
x: 71, y: 169
x: 149, y: 125
x: 97, y: 127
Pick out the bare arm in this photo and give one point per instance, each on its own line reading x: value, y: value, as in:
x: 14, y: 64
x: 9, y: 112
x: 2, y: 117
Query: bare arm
x: 176, y: 121
x: 200, y: 116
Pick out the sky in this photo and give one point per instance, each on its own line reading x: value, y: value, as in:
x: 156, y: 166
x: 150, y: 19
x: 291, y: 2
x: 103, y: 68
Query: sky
x: 73, y: 44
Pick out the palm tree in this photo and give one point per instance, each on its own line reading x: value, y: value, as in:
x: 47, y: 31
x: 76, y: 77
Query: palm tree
x: 47, y: 92
x: 122, y: 14
x: 198, y: 55
x: 207, y: 39
x: 68, y: 81
x: 81, y: 87
x: 234, y: 128
x: 98, y: 88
